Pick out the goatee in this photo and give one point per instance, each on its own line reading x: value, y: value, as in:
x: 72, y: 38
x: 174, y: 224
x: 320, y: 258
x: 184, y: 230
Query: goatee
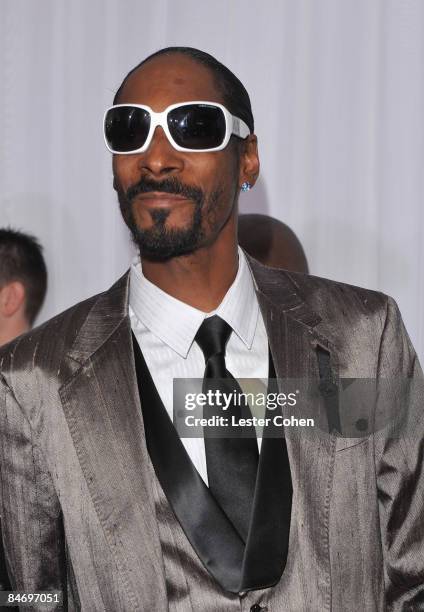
x: 159, y: 243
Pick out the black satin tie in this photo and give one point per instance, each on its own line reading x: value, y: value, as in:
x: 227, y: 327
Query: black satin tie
x: 231, y: 458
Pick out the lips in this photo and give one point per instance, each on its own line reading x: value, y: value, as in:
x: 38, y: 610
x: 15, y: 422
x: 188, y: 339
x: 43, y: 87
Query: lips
x: 153, y: 198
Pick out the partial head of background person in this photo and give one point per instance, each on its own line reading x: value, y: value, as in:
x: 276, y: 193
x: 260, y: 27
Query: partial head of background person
x: 23, y: 282
x: 271, y: 242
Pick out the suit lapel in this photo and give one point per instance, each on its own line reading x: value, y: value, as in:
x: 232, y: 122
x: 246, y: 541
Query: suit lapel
x: 296, y: 334
x: 102, y: 408
x: 213, y: 537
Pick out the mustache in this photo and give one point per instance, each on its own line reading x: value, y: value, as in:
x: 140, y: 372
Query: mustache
x: 169, y: 185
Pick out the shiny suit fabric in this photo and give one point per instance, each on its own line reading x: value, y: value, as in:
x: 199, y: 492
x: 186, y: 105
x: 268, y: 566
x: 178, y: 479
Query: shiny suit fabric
x: 83, y: 512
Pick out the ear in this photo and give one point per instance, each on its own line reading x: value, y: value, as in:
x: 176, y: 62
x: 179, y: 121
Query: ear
x: 249, y: 161
x: 12, y: 298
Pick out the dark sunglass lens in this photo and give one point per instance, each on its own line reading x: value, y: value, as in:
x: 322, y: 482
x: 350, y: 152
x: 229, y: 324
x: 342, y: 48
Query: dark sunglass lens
x: 197, y: 126
x: 126, y: 128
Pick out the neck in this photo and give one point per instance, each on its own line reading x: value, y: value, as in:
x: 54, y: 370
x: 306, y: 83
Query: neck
x: 203, y: 278
x: 12, y: 328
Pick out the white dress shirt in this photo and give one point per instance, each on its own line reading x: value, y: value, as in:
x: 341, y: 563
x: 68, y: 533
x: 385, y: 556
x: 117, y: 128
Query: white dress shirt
x: 165, y: 329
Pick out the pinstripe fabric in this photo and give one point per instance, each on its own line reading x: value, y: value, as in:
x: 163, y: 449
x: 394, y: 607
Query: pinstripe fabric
x: 80, y: 504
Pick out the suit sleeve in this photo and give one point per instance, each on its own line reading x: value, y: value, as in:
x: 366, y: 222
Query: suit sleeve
x: 29, y: 508
x: 399, y: 458
x: 4, y: 578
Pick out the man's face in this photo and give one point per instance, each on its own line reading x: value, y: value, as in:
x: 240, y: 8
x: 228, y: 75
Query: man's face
x: 174, y: 202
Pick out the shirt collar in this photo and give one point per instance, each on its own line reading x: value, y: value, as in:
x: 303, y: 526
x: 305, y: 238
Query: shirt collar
x: 176, y: 323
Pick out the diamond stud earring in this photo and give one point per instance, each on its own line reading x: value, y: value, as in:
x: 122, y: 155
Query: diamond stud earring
x: 246, y: 186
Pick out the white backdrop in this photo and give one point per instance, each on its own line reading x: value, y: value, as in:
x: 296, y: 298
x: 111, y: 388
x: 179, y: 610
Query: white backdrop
x: 337, y: 88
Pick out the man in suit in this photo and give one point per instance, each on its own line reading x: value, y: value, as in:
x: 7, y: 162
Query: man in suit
x: 101, y: 498
x: 23, y: 285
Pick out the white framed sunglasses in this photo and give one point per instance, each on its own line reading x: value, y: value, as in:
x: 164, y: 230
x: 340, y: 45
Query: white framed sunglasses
x: 196, y: 126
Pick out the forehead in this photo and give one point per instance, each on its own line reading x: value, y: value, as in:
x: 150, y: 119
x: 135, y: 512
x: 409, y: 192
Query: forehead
x: 168, y: 79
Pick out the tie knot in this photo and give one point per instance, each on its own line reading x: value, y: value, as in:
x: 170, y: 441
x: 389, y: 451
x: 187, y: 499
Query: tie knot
x: 212, y: 336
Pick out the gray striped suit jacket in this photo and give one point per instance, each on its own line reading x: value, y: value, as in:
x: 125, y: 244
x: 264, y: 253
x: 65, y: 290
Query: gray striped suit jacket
x: 78, y: 494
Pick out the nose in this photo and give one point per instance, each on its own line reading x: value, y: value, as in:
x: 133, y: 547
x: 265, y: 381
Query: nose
x: 161, y: 159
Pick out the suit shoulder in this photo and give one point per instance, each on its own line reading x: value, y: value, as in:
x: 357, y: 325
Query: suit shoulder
x: 58, y: 334
x: 321, y: 294
x: 322, y: 291
x: 341, y: 311
x: 353, y: 318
